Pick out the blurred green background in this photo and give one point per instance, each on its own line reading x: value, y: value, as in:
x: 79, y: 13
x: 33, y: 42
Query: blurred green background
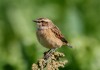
x: 79, y: 21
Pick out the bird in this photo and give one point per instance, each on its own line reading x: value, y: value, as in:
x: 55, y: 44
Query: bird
x: 49, y: 35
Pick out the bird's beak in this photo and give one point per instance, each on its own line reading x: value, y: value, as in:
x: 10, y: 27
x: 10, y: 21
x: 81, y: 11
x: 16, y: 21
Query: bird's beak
x: 35, y: 21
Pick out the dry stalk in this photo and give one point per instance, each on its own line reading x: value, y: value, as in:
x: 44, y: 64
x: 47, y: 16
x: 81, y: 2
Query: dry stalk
x: 52, y: 63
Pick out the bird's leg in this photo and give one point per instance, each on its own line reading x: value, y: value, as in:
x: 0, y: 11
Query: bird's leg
x: 48, y: 53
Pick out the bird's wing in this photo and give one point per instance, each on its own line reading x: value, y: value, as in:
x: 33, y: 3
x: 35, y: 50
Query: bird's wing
x: 58, y: 34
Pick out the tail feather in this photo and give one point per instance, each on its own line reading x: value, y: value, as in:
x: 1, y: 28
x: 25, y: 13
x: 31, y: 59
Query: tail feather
x: 69, y: 45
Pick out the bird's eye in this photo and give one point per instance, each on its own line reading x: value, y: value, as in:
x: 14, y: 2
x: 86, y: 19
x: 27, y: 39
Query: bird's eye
x: 42, y: 21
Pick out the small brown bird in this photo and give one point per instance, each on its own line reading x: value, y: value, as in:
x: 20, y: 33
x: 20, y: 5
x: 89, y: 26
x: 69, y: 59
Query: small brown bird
x: 49, y: 34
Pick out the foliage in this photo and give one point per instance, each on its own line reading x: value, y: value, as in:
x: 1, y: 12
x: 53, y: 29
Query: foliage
x: 79, y: 21
x: 52, y: 63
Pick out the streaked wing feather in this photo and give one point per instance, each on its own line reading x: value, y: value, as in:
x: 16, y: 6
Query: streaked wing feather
x: 58, y: 34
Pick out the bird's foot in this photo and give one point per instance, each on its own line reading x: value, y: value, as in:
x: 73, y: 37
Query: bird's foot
x: 48, y: 53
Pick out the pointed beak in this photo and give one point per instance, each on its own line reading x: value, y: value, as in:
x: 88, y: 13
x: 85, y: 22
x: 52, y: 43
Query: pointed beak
x: 35, y: 21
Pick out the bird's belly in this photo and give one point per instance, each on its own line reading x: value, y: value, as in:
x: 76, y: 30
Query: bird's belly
x: 48, y: 39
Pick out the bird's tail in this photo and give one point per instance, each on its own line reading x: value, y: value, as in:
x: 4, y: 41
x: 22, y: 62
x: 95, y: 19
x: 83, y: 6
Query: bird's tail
x: 69, y: 45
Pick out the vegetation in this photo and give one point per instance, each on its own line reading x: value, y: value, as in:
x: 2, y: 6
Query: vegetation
x: 79, y: 21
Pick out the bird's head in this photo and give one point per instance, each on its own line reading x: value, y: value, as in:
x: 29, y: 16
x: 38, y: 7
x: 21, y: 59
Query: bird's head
x: 43, y: 23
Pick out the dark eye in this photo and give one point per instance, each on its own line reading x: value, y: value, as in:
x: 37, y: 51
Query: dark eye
x: 44, y: 24
x: 42, y: 21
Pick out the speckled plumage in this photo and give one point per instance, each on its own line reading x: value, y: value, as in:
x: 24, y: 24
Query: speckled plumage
x: 49, y: 34
x: 48, y: 39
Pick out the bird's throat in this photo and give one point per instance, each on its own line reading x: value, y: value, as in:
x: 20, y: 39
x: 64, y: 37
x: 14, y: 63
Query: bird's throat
x: 43, y: 27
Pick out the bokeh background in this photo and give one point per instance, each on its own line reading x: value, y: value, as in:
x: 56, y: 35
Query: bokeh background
x: 79, y: 21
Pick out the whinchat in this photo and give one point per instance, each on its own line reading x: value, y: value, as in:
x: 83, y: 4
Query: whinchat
x: 49, y: 34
